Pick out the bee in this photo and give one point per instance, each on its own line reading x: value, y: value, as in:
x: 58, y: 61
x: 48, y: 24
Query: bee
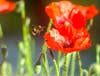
x: 37, y: 29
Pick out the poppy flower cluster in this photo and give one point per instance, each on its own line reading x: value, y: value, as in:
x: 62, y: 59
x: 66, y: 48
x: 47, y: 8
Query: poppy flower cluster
x: 69, y: 33
x: 6, y: 6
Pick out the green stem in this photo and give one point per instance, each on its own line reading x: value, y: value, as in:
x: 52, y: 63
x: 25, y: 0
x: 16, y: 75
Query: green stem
x: 56, y: 67
x: 59, y: 56
x: 55, y: 63
x: 49, y: 25
x: 22, y: 9
x: 86, y: 72
x: 79, y: 63
x: 90, y: 24
x: 26, y: 39
x: 6, y: 69
x: 44, y: 49
x: 68, y: 61
x: 21, y: 59
x: 45, y: 63
x: 59, y: 59
x: 98, y: 54
x: 1, y: 32
x: 65, y: 72
x: 73, y: 64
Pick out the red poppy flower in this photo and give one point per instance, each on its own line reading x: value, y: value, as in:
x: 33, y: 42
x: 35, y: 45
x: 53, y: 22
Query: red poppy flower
x: 6, y: 6
x: 66, y: 43
x: 64, y: 11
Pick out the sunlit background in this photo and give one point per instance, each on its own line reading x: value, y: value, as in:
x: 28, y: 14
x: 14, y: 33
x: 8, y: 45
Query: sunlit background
x: 12, y: 29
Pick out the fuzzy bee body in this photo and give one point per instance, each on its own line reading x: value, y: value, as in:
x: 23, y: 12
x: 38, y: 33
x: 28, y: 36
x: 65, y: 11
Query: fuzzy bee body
x: 37, y: 29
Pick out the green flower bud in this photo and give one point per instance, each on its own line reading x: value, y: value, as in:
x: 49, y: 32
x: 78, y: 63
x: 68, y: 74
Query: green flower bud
x: 38, y: 69
x: 94, y: 70
x: 4, y: 51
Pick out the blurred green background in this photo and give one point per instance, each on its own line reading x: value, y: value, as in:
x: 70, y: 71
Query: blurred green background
x: 12, y: 29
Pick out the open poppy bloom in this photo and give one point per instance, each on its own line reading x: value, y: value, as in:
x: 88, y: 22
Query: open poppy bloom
x: 6, y: 6
x: 69, y: 20
x: 66, y: 11
x: 79, y: 40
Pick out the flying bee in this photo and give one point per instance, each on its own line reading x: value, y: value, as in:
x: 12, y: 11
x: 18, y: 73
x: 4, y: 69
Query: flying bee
x: 37, y: 29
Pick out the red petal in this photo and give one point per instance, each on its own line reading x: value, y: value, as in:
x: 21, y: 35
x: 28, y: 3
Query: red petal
x: 7, y: 7
x: 88, y: 11
x: 51, y: 43
x: 61, y: 11
x: 91, y: 12
x: 80, y: 40
x: 78, y: 20
x: 52, y: 10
